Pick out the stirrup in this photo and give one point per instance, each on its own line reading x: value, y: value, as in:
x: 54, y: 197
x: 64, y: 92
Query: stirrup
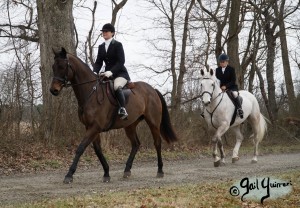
x: 122, y: 113
x: 241, y: 113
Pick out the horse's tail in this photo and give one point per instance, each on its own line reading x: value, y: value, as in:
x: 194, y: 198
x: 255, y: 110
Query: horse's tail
x: 262, y: 127
x: 166, y: 128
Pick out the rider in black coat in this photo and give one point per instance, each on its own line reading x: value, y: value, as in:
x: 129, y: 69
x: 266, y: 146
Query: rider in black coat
x: 226, y: 75
x: 111, y: 52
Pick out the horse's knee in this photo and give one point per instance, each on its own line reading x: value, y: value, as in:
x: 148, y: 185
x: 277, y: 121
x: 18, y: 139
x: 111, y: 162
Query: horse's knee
x: 214, y: 140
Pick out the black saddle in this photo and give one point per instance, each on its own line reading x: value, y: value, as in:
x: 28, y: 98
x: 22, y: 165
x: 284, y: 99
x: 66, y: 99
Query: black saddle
x: 111, y: 92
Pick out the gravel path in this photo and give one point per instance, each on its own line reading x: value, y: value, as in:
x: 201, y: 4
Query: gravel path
x: 38, y: 186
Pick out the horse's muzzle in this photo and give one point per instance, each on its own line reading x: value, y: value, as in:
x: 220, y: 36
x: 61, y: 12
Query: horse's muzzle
x: 54, y: 92
x: 55, y: 87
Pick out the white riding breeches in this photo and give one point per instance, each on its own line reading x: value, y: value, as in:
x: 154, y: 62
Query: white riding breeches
x: 119, y: 82
x: 235, y: 94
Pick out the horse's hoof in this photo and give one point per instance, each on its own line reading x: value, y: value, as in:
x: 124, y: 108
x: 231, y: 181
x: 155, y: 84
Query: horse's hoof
x: 68, y: 179
x: 106, y: 179
x: 253, y: 161
x: 235, y: 159
x: 127, y: 174
x: 159, y: 175
x: 217, y: 163
x: 222, y: 164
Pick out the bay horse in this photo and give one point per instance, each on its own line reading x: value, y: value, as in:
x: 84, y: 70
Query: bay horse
x: 219, y: 111
x: 99, y: 115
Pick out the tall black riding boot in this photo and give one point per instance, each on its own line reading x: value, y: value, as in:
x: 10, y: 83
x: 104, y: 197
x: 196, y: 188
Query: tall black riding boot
x: 239, y: 107
x: 121, y: 98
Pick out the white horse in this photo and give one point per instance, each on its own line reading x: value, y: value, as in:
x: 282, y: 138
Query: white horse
x: 218, y: 112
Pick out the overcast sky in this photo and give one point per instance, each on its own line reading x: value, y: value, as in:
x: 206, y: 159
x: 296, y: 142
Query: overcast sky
x: 132, y: 19
x: 129, y: 31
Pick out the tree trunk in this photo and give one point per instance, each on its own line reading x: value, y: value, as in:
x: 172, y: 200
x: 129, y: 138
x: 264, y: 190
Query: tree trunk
x: 56, y: 30
x: 182, y: 67
x: 173, y: 59
x: 233, y: 41
x: 286, y: 63
x: 271, y: 45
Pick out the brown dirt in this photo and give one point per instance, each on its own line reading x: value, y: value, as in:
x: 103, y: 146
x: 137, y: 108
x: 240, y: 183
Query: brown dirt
x: 46, y: 185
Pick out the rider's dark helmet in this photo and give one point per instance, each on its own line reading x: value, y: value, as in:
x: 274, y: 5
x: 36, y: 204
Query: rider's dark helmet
x: 223, y: 57
x: 108, y: 27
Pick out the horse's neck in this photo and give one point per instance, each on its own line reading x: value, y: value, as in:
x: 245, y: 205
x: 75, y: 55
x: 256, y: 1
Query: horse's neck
x: 217, y: 98
x: 83, y: 81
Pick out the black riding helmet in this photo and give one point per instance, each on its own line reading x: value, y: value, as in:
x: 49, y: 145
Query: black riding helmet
x: 223, y: 57
x: 108, y: 27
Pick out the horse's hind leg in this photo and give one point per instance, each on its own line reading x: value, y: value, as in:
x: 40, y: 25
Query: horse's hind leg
x: 255, y: 142
x: 155, y: 130
x: 254, y: 121
x: 239, y: 139
x: 157, y: 144
x: 135, y: 144
x: 98, y: 151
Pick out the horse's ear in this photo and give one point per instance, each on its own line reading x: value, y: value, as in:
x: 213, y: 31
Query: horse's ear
x: 211, y: 72
x: 63, y: 52
x: 202, y: 72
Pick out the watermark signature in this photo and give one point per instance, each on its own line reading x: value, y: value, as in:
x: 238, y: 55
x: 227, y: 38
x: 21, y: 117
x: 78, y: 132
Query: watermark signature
x: 260, y: 188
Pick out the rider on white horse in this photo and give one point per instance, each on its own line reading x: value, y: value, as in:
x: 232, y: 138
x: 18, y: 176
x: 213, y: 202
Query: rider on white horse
x: 226, y: 74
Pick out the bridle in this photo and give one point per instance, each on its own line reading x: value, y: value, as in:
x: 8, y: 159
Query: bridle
x: 211, y: 95
x: 65, y: 82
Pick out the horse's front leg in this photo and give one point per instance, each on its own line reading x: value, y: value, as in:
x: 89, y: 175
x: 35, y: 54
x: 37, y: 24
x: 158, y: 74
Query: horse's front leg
x: 215, y: 152
x: 217, y: 142
x: 89, y: 136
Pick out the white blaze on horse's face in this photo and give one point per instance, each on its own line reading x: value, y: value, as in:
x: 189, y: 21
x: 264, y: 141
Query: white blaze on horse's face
x: 207, y: 89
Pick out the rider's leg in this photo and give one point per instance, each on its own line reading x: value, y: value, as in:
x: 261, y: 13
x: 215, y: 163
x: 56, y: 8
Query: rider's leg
x: 238, y: 104
x: 119, y: 83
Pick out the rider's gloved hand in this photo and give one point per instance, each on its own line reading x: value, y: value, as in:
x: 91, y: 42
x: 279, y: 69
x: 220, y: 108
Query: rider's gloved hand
x: 106, y: 74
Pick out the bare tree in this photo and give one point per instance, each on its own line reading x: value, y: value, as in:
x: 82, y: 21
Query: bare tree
x: 220, y: 22
x: 272, y: 17
x: 56, y: 30
x: 233, y: 39
x: 175, y: 17
x: 281, y: 13
x: 115, y: 10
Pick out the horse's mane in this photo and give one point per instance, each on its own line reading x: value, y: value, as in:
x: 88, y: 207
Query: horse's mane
x: 74, y: 56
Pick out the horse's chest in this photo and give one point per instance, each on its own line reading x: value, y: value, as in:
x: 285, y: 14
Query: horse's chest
x: 217, y: 118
